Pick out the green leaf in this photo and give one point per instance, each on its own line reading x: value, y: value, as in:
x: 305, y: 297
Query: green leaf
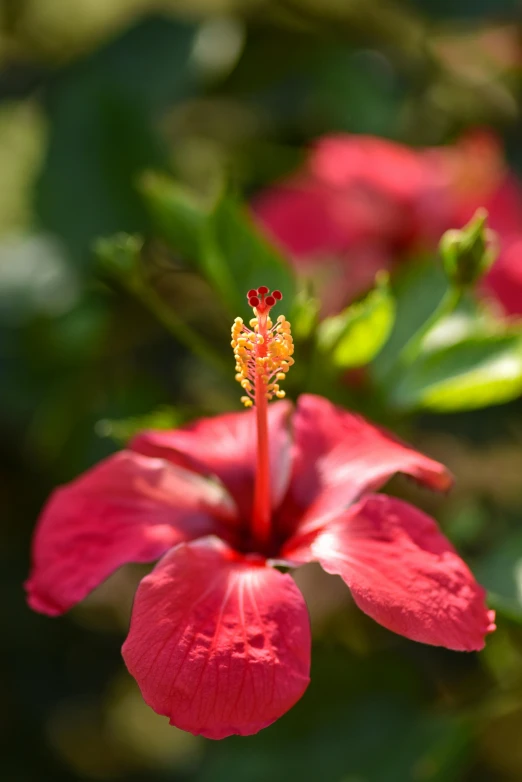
x: 122, y: 430
x: 102, y: 112
x: 467, y: 322
x: 119, y: 255
x: 474, y: 373
x: 356, y: 335
x: 177, y: 215
x: 304, y: 314
x: 418, y: 291
x: 237, y: 257
x: 221, y: 240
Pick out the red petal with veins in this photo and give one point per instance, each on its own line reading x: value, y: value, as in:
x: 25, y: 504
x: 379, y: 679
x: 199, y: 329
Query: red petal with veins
x: 225, y: 445
x: 219, y: 643
x: 404, y: 573
x: 339, y: 456
x: 129, y: 508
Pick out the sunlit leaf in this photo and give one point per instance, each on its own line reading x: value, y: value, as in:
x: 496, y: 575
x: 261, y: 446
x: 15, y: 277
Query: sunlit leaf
x: 463, y: 324
x: 476, y: 372
x: 356, y: 335
x: 123, y: 429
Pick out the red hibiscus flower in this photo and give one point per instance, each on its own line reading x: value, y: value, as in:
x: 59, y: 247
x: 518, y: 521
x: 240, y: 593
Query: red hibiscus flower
x: 361, y: 204
x: 219, y: 638
x: 358, y: 205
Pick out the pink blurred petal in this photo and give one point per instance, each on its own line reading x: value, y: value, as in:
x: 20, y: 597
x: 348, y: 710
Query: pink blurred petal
x: 219, y: 643
x: 225, y: 445
x: 504, y: 280
x: 335, y: 239
x: 343, y: 160
x: 300, y: 217
x: 358, y: 205
x: 504, y: 207
x: 403, y: 573
x: 129, y: 508
x: 339, y: 456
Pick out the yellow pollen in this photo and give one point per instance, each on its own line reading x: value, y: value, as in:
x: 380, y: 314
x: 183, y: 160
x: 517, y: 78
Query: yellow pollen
x: 266, y: 356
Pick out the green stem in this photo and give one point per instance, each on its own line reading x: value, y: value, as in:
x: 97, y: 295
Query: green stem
x: 413, y: 347
x: 447, y: 305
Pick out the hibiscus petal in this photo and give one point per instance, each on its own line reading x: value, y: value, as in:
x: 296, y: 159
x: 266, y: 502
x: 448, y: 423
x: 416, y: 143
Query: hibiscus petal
x: 225, y: 445
x: 129, y: 508
x: 405, y: 574
x: 219, y: 643
x: 339, y: 456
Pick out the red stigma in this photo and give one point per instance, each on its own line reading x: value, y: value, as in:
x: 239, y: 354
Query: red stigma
x: 262, y: 300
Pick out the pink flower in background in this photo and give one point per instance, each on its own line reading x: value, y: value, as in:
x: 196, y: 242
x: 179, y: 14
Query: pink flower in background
x: 359, y: 204
x: 362, y: 204
x: 219, y: 640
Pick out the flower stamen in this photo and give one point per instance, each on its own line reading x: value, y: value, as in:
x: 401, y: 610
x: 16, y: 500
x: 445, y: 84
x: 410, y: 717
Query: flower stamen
x: 263, y: 349
x: 263, y: 352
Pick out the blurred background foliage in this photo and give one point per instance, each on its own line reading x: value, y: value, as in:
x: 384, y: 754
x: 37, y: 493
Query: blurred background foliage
x: 160, y: 121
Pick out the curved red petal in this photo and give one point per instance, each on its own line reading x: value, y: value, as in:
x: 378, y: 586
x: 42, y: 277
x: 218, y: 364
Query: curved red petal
x: 218, y: 643
x: 339, y: 456
x: 405, y: 574
x: 129, y: 508
x: 225, y: 445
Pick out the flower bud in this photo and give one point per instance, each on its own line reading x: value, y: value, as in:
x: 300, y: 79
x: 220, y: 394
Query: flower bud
x: 119, y: 256
x: 468, y: 253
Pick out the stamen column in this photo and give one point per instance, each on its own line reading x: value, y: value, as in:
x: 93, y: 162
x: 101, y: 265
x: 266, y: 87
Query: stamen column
x: 262, y: 497
x: 263, y: 357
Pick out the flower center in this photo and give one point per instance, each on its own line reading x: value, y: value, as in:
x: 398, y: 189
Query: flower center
x: 263, y: 356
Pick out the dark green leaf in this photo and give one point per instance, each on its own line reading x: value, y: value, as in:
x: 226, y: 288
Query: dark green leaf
x: 418, y: 290
x: 222, y: 240
x: 103, y: 133
x: 237, y: 257
x: 500, y: 571
x: 176, y: 214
